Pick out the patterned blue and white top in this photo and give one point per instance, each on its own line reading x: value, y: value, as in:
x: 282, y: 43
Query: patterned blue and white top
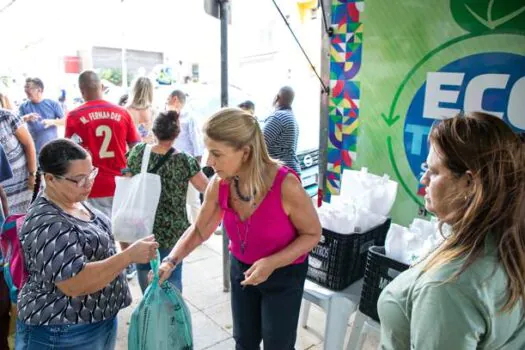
x: 56, y: 247
x: 18, y: 194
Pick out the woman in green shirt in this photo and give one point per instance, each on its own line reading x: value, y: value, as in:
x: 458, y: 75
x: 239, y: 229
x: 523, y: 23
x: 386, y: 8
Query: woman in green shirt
x: 469, y: 293
x: 176, y: 172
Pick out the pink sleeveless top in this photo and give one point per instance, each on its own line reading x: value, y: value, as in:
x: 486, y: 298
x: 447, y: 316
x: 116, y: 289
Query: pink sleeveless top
x: 267, y: 231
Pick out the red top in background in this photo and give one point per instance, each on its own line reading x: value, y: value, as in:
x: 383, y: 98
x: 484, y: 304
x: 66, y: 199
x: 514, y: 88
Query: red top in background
x: 104, y: 130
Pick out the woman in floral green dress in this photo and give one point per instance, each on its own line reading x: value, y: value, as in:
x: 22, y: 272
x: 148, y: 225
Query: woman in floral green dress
x: 176, y: 172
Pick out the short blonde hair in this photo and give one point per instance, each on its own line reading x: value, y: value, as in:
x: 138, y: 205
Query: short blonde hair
x: 237, y: 129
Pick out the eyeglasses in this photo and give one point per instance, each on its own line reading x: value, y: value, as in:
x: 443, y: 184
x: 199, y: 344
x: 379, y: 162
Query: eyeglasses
x: 83, y: 181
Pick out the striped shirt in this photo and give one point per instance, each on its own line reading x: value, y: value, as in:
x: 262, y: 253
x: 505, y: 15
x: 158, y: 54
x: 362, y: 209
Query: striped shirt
x: 281, y: 133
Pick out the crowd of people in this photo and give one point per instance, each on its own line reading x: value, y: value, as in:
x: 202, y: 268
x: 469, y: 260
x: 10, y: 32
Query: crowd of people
x: 77, y: 281
x: 468, y: 293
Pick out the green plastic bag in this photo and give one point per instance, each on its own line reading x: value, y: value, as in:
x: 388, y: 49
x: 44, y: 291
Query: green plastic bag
x: 162, y: 320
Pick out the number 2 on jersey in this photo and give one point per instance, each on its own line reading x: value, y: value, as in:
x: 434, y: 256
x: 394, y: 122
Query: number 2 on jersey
x: 106, y: 132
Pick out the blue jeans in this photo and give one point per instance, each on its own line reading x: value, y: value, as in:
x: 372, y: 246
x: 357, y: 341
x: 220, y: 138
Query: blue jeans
x: 144, y: 269
x: 94, y: 336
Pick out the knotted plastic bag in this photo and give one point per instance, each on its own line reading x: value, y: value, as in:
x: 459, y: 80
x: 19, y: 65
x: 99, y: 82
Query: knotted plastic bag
x: 162, y: 320
x: 375, y: 193
x: 410, y: 245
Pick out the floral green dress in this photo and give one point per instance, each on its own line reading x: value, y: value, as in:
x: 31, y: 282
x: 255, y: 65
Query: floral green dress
x: 171, y: 219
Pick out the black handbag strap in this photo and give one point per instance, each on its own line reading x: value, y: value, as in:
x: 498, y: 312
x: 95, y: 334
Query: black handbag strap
x: 162, y: 161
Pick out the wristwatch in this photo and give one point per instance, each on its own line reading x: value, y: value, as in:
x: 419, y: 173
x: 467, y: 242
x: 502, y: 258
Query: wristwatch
x: 32, y: 173
x: 172, y: 261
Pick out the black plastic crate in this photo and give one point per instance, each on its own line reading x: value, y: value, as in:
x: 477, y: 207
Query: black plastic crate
x: 380, y: 270
x: 338, y: 260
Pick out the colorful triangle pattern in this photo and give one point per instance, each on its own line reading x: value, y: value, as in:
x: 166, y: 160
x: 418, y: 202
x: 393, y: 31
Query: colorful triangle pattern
x: 343, y: 105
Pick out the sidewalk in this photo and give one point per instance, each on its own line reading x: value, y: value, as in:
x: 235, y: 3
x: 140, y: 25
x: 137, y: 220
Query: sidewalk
x: 210, y: 306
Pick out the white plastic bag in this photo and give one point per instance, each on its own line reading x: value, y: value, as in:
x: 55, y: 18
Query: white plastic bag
x: 367, y: 190
x: 410, y: 245
x: 337, y: 218
x: 367, y: 220
x: 135, y: 203
x: 395, y: 243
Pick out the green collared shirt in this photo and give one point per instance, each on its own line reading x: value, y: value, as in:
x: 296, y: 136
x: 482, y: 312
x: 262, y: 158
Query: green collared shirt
x: 421, y: 311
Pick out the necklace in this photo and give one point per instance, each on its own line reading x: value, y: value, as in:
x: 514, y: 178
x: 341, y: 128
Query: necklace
x: 243, y: 241
x: 238, y: 190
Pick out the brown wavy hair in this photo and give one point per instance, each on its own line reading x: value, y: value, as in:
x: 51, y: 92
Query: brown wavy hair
x: 494, y: 207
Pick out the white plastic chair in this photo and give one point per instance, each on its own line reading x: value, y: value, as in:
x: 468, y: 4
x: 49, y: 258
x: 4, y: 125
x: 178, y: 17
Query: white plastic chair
x: 363, y: 325
x: 338, y: 307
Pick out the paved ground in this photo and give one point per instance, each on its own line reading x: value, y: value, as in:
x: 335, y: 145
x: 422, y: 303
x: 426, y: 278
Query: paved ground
x: 210, y: 306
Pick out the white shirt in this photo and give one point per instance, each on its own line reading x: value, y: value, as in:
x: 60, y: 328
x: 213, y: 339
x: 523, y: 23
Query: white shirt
x: 190, y: 139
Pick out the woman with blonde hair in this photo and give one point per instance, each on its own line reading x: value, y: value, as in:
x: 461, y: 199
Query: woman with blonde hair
x: 140, y: 107
x: 470, y: 292
x: 5, y: 103
x: 271, y: 223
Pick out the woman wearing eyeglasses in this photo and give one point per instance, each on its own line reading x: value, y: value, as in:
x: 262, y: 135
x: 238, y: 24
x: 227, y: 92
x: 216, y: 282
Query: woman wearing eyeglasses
x: 76, y: 285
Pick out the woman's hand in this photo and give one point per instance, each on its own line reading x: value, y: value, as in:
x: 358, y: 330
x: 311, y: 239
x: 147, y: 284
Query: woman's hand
x: 165, y: 270
x: 144, y: 250
x: 258, y: 272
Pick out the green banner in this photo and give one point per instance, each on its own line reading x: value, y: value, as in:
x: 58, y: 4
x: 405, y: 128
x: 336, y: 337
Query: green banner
x: 421, y: 62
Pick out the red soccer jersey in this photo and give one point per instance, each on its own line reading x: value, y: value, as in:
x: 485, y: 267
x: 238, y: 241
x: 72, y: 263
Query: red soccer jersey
x: 105, y: 130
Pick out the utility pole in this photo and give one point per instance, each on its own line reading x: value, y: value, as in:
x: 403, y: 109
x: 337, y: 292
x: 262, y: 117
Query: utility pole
x: 123, y: 60
x: 224, y: 13
x: 221, y: 9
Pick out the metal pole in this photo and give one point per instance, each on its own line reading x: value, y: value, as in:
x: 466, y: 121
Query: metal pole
x: 224, y: 9
x: 323, y: 122
x: 124, y: 68
x: 123, y: 61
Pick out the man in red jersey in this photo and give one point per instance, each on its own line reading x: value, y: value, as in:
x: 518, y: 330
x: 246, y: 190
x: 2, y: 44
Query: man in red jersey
x: 106, y: 131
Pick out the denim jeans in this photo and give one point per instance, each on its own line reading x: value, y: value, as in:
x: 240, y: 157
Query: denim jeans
x: 94, y: 336
x: 144, y: 269
x: 268, y: 311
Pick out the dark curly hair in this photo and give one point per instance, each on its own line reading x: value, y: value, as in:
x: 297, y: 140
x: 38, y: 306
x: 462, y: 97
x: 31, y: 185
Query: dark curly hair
x: 166, y: 126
